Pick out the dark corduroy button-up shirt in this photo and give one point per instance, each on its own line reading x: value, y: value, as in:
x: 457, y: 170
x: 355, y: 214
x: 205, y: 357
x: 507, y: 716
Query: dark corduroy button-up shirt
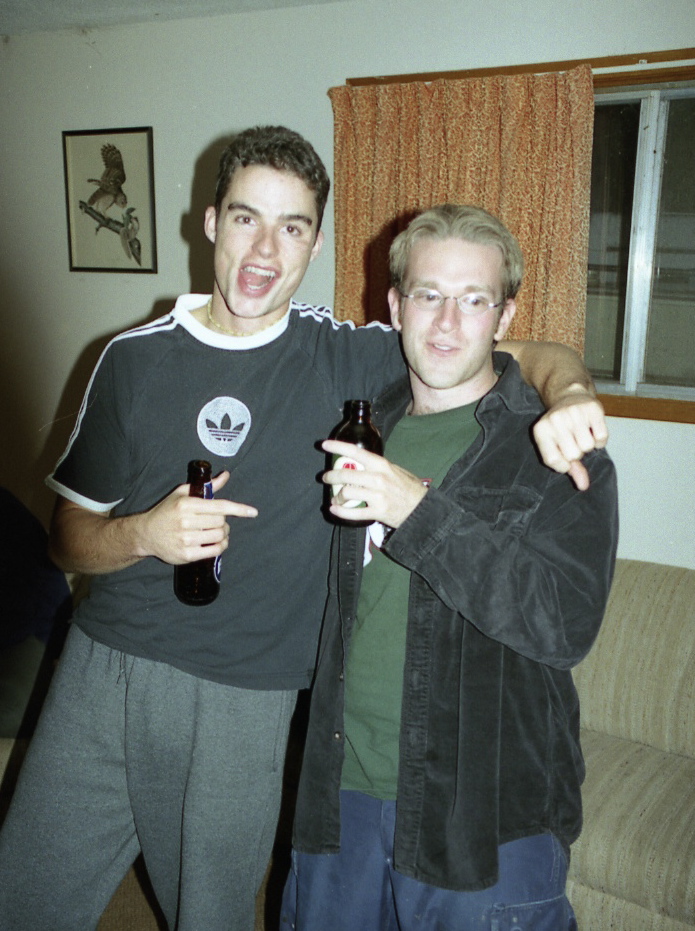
x: 510, y: 573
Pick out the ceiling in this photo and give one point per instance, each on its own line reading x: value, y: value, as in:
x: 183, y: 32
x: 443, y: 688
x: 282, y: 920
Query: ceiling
x: 23, y: 16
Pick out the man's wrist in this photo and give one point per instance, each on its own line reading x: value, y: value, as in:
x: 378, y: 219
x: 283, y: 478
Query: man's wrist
x: 578, y: 388
x: 133, y: 527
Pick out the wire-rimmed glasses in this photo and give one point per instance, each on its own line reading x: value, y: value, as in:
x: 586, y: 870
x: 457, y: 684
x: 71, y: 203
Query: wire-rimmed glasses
x: 471, y: 304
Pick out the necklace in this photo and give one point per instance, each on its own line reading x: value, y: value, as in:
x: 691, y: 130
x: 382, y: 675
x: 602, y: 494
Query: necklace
x: 229, y: 330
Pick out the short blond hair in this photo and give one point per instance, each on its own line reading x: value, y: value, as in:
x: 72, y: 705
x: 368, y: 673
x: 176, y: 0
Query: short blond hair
x: 453, y: 221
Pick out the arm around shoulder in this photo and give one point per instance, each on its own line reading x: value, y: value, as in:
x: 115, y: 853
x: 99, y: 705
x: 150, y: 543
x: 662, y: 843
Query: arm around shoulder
x: 553, y: 369
x: 574, y: 422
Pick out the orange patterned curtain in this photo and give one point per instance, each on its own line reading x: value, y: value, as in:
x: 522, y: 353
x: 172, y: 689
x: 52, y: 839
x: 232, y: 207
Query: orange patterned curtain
x: 520, y: 146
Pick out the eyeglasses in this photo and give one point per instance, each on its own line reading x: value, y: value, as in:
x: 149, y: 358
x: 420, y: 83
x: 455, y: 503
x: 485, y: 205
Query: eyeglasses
x: 471, y: 304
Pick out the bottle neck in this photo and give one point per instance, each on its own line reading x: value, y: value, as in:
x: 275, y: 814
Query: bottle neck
x: 199, y: 478
x: 360, y: 411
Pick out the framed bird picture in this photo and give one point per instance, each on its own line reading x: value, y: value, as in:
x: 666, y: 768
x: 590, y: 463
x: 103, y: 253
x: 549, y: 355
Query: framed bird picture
x: 109, y: 192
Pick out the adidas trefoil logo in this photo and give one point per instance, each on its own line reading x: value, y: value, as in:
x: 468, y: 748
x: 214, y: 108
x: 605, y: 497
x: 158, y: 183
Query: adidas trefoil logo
x: 225, y: 432
x: 223, y: 425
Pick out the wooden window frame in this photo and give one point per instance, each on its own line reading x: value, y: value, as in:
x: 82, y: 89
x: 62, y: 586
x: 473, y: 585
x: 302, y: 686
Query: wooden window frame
x: 652, y: 68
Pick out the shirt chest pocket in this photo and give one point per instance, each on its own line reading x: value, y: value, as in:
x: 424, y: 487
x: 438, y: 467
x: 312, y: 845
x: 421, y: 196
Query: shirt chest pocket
x: 502, y: 509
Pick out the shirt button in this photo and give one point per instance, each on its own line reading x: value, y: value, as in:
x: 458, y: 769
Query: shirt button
x: 337, y: 735
x: 341, y: 677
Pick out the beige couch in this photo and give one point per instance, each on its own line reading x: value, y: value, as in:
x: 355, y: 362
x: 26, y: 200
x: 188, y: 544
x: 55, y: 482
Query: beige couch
x: 633, y: 868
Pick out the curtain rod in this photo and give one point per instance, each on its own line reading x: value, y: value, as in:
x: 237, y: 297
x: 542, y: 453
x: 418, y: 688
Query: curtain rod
x: 645, y: 75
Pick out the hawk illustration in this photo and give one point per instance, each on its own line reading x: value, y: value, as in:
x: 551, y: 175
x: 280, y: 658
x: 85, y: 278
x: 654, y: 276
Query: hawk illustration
x: 110, y: 185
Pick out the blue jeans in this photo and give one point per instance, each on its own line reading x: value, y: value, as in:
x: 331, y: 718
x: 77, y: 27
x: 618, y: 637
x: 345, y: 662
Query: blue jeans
x: 358, y: 889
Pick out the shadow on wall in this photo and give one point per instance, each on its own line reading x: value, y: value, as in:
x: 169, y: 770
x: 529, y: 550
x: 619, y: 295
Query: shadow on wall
x: 200, y: 250
x: 375, y: 263
x: 20, y: 468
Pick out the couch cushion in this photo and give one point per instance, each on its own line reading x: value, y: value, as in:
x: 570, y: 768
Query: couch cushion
x: 638, y: 681
x: 638, y: 842
x: 597, y: 911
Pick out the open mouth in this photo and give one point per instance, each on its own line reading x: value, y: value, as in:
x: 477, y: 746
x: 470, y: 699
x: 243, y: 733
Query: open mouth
x: 254, y: 278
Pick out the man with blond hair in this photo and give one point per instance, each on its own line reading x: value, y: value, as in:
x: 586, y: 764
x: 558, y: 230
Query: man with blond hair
x: 440, y: 785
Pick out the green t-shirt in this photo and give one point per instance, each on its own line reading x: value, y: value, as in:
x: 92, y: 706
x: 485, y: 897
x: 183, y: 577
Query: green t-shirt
x: 427, y: 446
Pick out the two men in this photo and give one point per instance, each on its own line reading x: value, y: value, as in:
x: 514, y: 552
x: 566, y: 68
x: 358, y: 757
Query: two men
x: 166, y: 726
x: 441, y: 778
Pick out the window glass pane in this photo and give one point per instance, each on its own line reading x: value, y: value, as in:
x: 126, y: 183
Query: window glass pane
x: 670, y: 358
x: 616, y: 130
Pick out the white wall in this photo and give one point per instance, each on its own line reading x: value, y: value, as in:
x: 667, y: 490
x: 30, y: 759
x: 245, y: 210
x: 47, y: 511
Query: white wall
x: 195, y: 81
x: 655, y: 468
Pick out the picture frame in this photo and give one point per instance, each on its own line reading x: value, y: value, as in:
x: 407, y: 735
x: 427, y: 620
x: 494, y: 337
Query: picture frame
x: 109, y: 195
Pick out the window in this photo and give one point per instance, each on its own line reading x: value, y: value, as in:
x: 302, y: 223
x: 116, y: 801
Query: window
x: 640, y: 325
x: 640, y: 330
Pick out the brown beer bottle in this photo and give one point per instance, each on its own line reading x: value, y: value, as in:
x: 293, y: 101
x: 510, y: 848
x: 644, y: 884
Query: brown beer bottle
x: 198, y: 583
x: 357, y: 428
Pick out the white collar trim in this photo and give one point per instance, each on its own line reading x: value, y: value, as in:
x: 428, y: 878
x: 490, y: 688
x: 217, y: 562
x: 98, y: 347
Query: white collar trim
x: 188, y: 302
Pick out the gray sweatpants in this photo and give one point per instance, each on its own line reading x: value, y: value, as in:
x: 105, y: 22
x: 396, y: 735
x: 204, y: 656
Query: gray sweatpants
x: 133, y: 755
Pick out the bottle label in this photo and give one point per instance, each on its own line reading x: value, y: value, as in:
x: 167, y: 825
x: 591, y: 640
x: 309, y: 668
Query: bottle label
x: 344, y: 462
x: 217, y: 565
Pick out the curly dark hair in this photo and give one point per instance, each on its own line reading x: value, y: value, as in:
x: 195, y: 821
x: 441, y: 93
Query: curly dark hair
x: 276, y: 147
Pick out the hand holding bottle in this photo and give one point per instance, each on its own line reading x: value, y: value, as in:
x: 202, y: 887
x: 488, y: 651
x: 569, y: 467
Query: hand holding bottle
x: 389, y: 493
x: 358, y: 430
x: 197, y: 581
